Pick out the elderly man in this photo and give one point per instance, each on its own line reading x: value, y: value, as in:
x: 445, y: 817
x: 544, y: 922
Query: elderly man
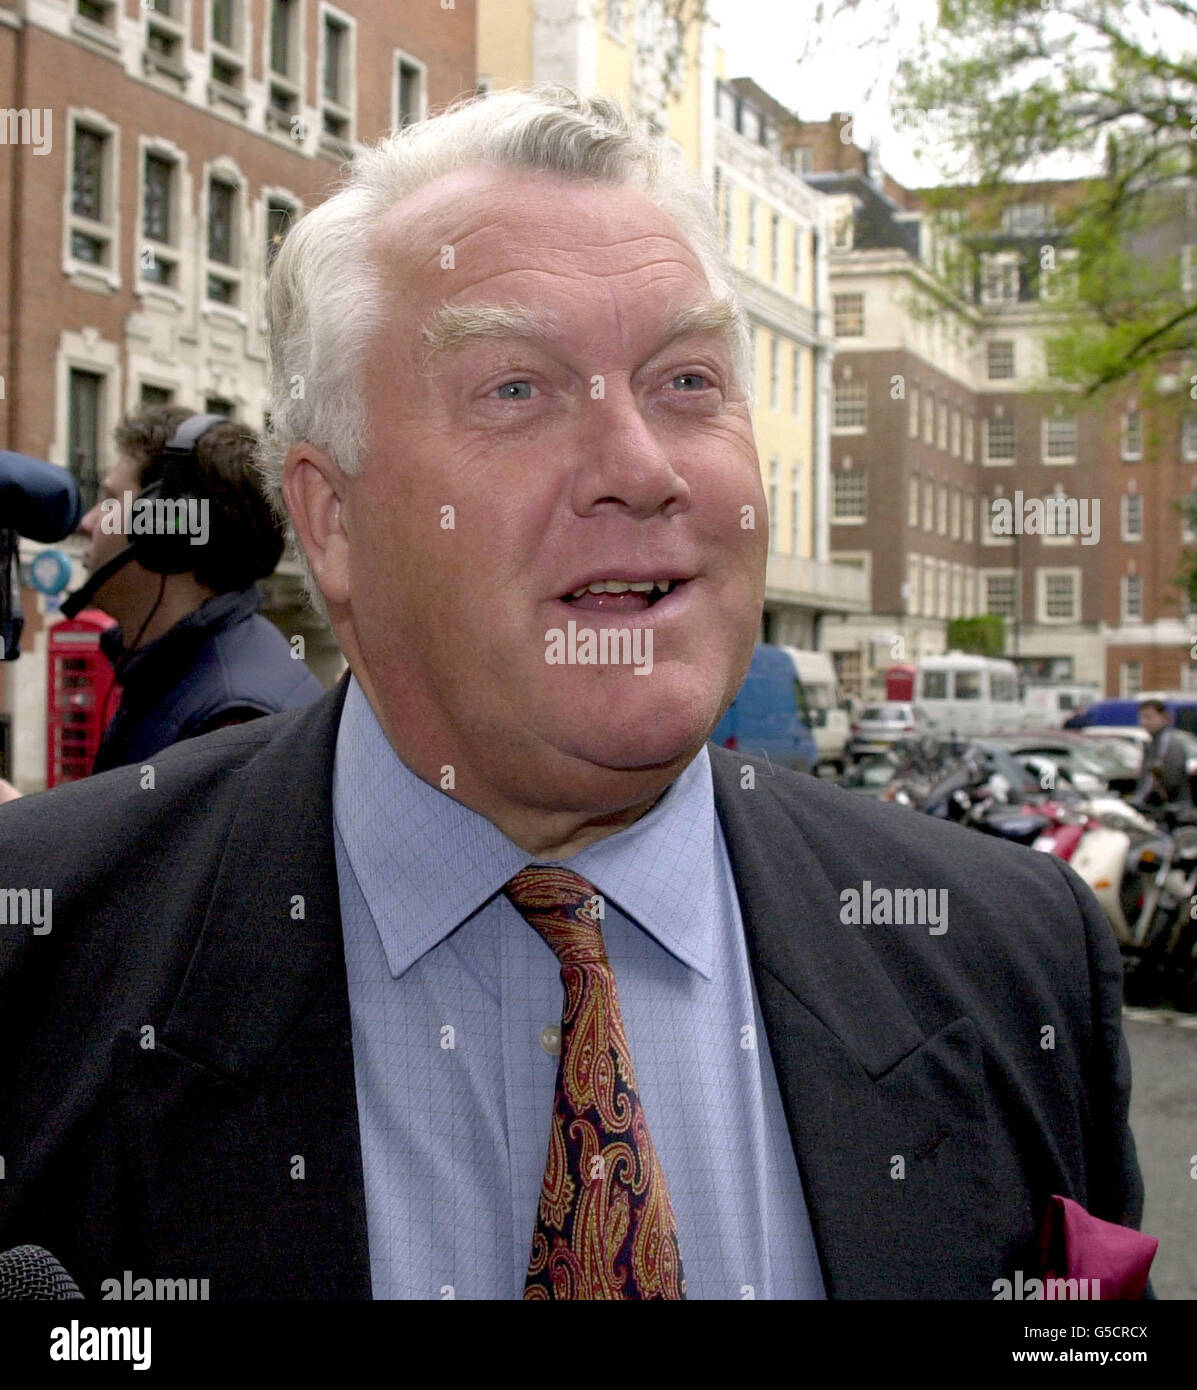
x: 486, y: 977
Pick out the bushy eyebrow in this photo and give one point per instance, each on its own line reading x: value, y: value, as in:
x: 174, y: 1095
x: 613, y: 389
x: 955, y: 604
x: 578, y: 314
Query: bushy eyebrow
x: 457, y: 325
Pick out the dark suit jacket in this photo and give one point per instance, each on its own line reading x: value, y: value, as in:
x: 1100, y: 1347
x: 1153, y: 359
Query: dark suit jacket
x: 225, y: 1144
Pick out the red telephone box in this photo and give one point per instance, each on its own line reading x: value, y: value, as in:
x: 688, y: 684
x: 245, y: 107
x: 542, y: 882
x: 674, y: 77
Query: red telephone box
x: 899, y: 682
x: 81, y: 695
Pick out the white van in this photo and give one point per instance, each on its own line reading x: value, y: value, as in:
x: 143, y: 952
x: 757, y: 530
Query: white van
x: 1048, y: 706
x: 969, y: 695
x: 828, y: 718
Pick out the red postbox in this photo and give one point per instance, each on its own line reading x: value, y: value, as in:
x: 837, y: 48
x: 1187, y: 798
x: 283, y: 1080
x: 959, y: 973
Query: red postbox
x: 81, y: 695
x: 899, y: 683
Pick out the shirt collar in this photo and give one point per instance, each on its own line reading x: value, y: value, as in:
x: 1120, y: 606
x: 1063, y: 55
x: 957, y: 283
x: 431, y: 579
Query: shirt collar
x: 425, y: 863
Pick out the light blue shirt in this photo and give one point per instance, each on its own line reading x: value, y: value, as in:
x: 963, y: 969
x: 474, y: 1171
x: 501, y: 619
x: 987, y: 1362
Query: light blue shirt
x: 451, y: 993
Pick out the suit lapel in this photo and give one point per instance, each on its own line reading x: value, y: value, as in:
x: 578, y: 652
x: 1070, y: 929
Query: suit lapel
x: 891, y: 1129
x: 245, y: 1111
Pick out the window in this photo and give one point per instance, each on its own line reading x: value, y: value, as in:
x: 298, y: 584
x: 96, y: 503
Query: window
x: 955, y: 434
x: 285, y: 62
x: 223, y: 278
x: 842, y: 227
x: 165, y: 37
x: 928, y: 599
x: 1059, y: 439
x: 1188, y: 436
x: 1026, y: 219
x: 336, y: 86
x: 849, y: 315
x: 1001, y: 360
x: 1130, y: 679
x: 750, y: 250
x: 227, y: 70
x: 279, y: 216
x: 912, y: 585
x: 615, y: 18
x: 928, y: 418
x: 1132, y: 598
x: 795, y: 379
x: 1000, y: 593
x: 1058, y: 592
x: 928, y: 505
x: 1132, y: 516
x: 1059, y: 281
x: 774, y: 466
x: 912, y: 413
x: 102, y: 12
x: 968, y: 439
x: 1132, y: 435
x: 151, y: 395
x: 955, y: 526
x: 774, y: 372
x: 1188, y: 271
x: 752, y: 361
x: 92, y: 222
x: 912, y: 501
x: 158, y: 260
x: 795, y: 510
x: 775, y: 248
x: 968, y: 518
x: 941, y: 512
x: 218, y: 405
x: 999, y: 278
x: 941, y: 436
x: 411, y: 80
x: 1188, y: 530
x: 988, y: 535
x: 851, y: 407
x: 729, y: 211
x: 85, y: 411
x: 282, y: 37
x: 999, y: 440
x: 848, y: 499
x: 797, y: 268
x: 1054, y: 358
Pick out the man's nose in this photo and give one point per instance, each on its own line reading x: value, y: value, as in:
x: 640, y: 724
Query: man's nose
x: 624, y: 459
x: 87, y: 524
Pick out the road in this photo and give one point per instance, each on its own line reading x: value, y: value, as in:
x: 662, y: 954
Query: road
x: 1163, y: 1048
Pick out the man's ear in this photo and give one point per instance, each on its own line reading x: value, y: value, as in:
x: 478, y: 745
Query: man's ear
x: 314, y: 489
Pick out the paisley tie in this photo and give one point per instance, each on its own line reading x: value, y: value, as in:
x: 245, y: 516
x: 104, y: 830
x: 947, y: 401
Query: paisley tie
x: 604, y: 1223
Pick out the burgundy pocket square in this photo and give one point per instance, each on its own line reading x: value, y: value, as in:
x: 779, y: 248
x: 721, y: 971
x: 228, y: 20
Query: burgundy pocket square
x: 1115, y: 1260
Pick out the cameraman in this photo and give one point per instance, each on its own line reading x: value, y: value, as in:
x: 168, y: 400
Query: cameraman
x: 200, y: 656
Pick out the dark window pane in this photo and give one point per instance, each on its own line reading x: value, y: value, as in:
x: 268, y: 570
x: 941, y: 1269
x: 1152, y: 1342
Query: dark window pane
x: 87, y: 248
x: 217, y: 405
x: 158, y: 176
x: 85, y: 401
x: 156, y: 395
x: 280, y: 37
x: 98, y: 14
x: 409, y: 93
x: 222, y: 199
x: 87, y: 184
x: 334, y: 38
x: 222, y: 22
x: 278, y: 223
x: 222, y: 291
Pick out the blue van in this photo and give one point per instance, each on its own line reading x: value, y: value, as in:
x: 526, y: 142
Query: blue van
x: 769, y: 714
x: 1181, y: 705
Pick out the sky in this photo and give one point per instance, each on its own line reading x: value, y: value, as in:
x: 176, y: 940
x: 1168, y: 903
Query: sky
x: 763, y: 39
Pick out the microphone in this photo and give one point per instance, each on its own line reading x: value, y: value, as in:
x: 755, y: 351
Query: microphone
x: 28, y: 1273
x: 37, y: 499
x: 76, y: 601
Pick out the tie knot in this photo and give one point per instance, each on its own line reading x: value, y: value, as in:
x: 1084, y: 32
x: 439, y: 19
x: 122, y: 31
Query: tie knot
x: 564, y: 908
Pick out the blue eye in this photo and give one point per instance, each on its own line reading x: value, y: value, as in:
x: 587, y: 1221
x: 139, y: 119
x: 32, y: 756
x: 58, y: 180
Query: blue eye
x: 510, y: 385
x: 692, y: 376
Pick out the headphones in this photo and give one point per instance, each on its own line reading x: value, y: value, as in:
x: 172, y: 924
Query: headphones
x: 170, y: 551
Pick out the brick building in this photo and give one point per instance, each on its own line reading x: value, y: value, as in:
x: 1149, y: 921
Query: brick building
x: 184, y: 137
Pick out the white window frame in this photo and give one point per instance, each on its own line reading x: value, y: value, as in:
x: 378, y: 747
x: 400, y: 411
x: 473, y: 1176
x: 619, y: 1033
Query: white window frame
x: 290, y: 83
x: 775, y: 247
x: 750, y: 243
x: 929, y: 504
x: 398, y: 58
x: 795, y: 378
x: 848, y: 322
x: 271, y: 194
x: 1001, y: 461
x: 985, y: 575
x: 1003, y: 266
x: 857, y: 388
x: 986, y: 519
x: 1131, y: 454
x: 169, y: 253
x: 222, y: 170
x: 1043, y: 574
x: 1188, y: 271
x: 970, y: 425
x: 86, y: 273
x: 1188, y: 436
x: 912, y: 411
x: 1132, y: 534
x: 1045, y: 433
x: 177, y: 28
x: 1128, y: 584
x: 1001, y: 375
x: 775, y: 373
x: 955, y: 433
x: 954, y: 527
x: 774, y: 500
x: 941, y: 510
x: 1130, y: 679
x: 797, y: 267
x: 839, y: 518
x: 941, y: 425
x: 969, y: 515
x: 342, y: 111
x: 912, y: 500
x: 237, y: 56
x: 914, y: 586
x: 795, y: 507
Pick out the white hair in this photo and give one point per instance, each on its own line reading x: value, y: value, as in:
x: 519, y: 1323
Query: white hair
x: 324, y: 300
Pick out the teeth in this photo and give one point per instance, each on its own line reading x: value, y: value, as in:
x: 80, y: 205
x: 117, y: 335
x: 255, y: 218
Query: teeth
x: 621, y: 586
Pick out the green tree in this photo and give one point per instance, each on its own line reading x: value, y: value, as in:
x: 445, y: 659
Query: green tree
x: 981, y: 636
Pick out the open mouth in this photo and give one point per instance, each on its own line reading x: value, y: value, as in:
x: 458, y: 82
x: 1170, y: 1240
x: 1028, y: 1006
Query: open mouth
x: 621, y: 595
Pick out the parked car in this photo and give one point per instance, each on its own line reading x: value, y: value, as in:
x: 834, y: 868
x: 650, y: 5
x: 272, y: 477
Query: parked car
x: 769, y: 715
x: 881, y: 725
x: 1091, y: 765
x: 1180, y: 704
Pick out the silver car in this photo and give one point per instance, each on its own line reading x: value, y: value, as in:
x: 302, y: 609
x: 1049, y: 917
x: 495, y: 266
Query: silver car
x: 880, y: 726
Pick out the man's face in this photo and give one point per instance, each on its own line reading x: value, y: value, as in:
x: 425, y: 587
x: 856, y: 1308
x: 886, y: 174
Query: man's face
x: 1152, y: 720
x: 513, y: 471
x: 128, y: 583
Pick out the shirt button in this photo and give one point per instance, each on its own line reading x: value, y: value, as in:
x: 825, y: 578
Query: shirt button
x: 550, y: 1039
